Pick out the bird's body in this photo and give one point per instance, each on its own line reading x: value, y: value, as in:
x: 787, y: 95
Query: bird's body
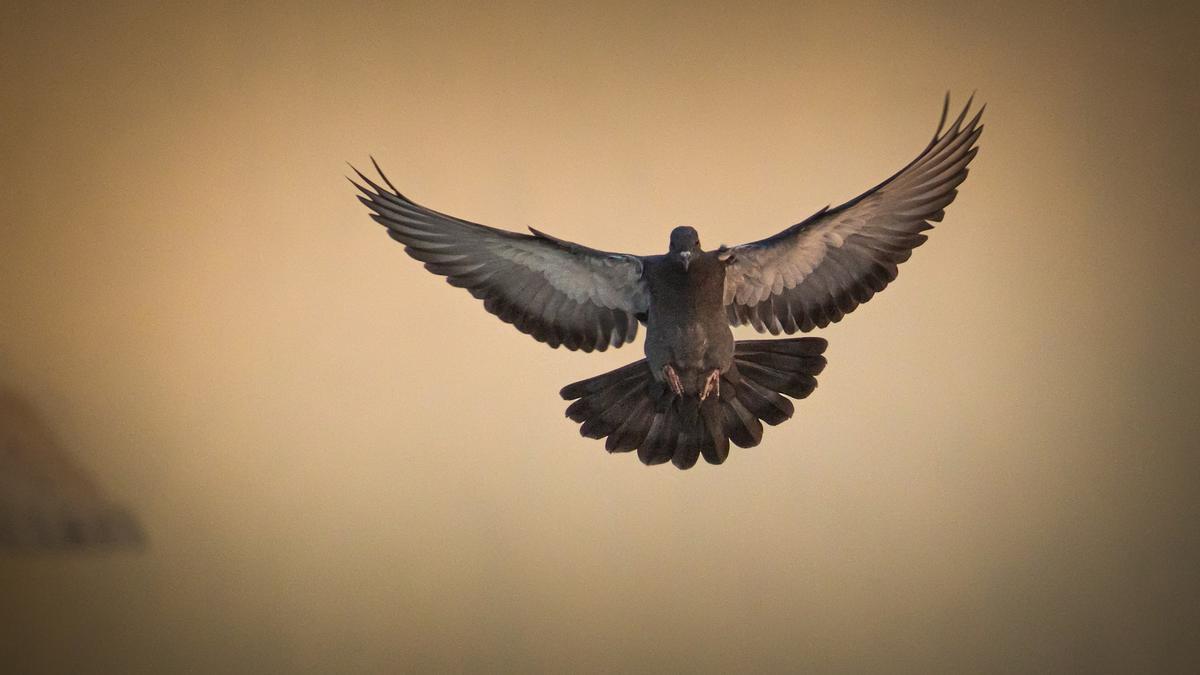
x: 698, y: 389
x: 686, y: 326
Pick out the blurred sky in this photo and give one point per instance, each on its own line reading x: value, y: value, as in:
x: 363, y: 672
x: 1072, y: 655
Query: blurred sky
x: 345, y: 465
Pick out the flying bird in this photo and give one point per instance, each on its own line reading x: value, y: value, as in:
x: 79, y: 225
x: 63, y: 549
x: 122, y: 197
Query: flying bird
x: 698, y: 389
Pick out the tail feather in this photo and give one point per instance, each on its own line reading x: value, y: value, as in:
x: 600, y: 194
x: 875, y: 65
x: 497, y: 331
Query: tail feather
x: 744, y: 429
x: 635, y: 411
x: 793, y: 383
x: 692, y: 433
x: 717, y: 450
x: 659, y: 445
x: 633, y: 429
x: 687, y: 448
x: 610, y: 417
x: 605, y: 395
x: 764, y: 403
x: 597, y: 384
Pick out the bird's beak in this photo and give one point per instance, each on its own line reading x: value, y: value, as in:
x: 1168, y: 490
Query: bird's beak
x: 686, y: 257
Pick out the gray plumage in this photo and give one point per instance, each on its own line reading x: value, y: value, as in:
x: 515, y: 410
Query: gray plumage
x: 697, y: 389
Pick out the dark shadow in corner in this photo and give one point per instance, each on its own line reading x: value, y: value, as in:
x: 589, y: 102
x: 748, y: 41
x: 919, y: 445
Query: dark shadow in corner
x: 48, y: 502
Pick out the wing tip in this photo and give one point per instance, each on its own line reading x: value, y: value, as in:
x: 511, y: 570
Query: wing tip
x: 386, y: 180
x: 942, y: 120
x: 957, y: 124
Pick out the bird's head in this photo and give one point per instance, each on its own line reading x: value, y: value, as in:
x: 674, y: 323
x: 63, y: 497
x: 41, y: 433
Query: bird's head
x: 685, y: 243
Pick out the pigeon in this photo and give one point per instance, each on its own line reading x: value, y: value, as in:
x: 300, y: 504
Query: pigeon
x: 697, y: 390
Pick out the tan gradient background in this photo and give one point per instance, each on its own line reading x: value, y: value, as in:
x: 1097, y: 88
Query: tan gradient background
x: 345, y: 465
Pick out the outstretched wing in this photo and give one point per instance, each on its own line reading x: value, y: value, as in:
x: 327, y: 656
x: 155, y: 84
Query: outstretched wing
x: 559, y: 292
x: 815, y: 272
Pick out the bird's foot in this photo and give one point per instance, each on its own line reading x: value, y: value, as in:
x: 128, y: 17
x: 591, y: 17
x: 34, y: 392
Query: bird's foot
x: 672, y: 379
x: 712, y: 385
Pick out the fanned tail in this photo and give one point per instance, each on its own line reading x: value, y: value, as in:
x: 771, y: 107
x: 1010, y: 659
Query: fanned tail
x: 634, y: 411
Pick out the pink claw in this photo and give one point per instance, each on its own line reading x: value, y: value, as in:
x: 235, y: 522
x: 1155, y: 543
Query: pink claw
x: 673, y: 380
x: 712, y: 385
